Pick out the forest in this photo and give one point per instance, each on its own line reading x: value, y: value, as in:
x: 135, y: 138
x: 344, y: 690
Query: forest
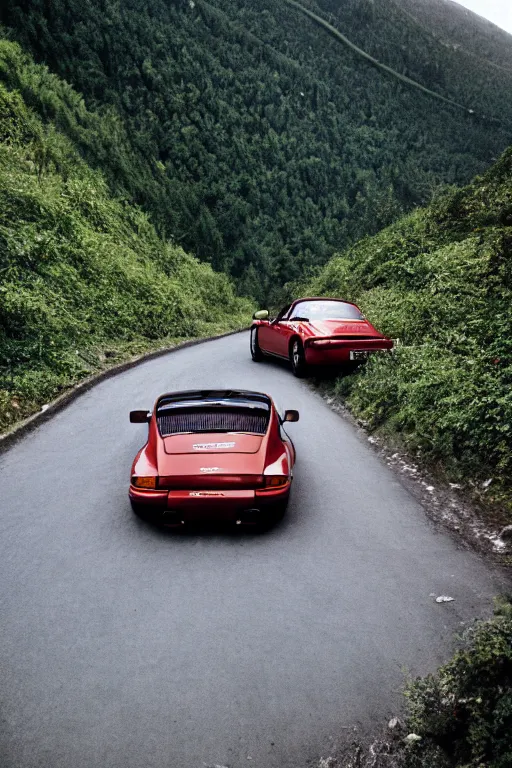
x: 85, y: 280
x: 251, y: 137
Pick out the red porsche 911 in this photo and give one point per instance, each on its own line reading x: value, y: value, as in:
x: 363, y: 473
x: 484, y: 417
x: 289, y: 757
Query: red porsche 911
x: 316, y: 332
x: 213, y: 455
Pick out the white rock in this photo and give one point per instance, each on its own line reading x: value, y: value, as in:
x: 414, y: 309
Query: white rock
x: 412, y: 738
x: 487, y: 483
x: 444, y: 599
x: 506, y: 534
x: 393, y: 722
x: 214, y: 765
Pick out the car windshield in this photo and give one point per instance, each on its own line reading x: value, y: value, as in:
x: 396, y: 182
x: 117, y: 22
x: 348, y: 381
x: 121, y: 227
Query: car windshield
x: 326, y: 310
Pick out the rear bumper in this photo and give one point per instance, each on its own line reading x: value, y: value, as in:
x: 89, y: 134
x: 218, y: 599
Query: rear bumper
x: 339, y: 352
x: 177, y: 507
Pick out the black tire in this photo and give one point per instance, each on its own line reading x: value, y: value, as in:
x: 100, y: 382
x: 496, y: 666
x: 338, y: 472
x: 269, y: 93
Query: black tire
x: 140, y: 510
x: 147, y: 513
x: 256, y: 353
x: 271, y: 517
x: 349, y: 368
x: 297, y: 358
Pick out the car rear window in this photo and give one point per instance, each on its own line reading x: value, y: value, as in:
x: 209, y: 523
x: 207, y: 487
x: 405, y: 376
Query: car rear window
x: 326, y: 310
x: 212, y: 415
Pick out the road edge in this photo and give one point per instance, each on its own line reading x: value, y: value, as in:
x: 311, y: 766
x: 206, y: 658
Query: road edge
x: 446, y: 504
x: 22, y: 428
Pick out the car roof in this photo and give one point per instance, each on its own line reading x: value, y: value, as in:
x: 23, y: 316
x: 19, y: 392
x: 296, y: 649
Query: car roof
x: 235, y: 397
x: 323, y: 298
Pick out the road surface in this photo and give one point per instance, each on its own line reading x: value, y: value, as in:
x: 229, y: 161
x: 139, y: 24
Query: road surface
x: 122, y: 646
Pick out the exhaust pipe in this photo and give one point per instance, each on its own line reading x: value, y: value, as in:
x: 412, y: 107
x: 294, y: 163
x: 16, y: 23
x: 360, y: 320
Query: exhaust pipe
x: 249, y: 516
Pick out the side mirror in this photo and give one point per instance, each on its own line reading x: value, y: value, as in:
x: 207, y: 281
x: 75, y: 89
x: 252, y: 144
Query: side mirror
x: 261, y: 315
x: 140, y: 417
x: 291, y: 416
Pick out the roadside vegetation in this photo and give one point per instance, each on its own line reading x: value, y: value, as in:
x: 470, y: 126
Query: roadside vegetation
x: 84, y: 278
x: 440, y: 281
x: 459, y: 717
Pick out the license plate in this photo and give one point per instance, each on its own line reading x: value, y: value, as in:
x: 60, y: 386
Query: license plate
x: 358, y: 354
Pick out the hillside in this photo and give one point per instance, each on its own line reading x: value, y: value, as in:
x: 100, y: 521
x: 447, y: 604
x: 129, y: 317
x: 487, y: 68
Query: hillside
x: 455, y: 26
x: 251, y: 136
x: 440, y: 280
x: 85, y: 279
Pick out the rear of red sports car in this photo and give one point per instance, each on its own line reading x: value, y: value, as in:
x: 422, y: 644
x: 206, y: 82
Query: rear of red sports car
x: 213, y: 455
x: 338, y: 342
x: 317, y: 332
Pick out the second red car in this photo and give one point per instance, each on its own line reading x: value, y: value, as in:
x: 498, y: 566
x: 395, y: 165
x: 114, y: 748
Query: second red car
x: 316, y: 332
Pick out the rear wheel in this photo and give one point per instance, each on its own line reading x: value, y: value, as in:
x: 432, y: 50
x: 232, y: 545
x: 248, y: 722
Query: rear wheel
x: 256, y: 352
x: 141, y: 510
x: 159, y: 517
x: 271, y: 516
x: 349, y: 368
x: 297, y: 358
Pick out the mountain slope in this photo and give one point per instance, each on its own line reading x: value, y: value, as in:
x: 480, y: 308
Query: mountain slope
x: 440, y: 280
x: 467, y: 33
x: 84, y: 278
x: 252, y: 137
x: 324, y: 24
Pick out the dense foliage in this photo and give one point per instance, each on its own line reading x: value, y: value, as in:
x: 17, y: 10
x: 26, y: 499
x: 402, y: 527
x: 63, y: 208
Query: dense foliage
x: 463, y: 713
x: 440, y: 280
x: 254, y: 138
x: 83, y: 277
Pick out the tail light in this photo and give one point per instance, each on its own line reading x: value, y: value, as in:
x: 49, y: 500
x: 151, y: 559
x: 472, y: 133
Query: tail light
x: 275, y: 481
x: 149, y: 483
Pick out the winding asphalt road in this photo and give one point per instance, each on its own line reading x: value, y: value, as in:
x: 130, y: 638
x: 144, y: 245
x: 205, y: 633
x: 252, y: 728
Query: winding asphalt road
x: 122, y: 646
